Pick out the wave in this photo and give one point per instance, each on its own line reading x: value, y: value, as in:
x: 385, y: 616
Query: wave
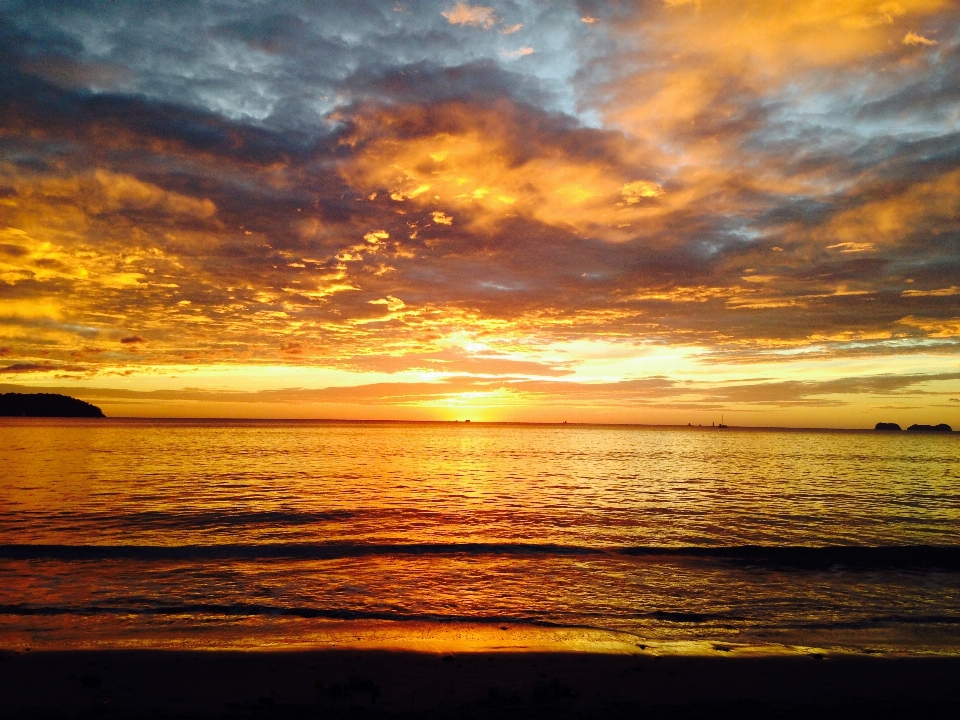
x: 186, y: 520
x: 815, y: 558
x: 253, y: 609
x: 271, y: 551
x: 230, y: 610
x: 893, y: 557
x: 879, y: 621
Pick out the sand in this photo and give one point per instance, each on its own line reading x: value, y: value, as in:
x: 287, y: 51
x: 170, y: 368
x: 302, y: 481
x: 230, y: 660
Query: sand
x: 379, y: 683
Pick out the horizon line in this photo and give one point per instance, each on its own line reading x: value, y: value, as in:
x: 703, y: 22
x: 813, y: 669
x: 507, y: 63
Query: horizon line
x: 689, y: 426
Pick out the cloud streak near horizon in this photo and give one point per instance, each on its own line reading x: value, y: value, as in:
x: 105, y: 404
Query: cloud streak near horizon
x: 518, y: 196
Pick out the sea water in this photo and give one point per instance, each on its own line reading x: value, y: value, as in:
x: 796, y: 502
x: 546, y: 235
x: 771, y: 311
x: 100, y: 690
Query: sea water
x: 273, y: 534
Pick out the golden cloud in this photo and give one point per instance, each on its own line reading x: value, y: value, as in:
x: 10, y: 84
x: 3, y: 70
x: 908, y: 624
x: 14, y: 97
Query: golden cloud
x: 851, y: 247
x: 934, y: 327
x: 752, y: 43
x: 122, y: 192
x: 931, y: 205
x: 942, y: 292
x: 912, y: 38
x: 475, y: 171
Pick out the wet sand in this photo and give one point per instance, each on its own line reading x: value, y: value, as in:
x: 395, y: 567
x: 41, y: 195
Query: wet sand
x: 378, y: 683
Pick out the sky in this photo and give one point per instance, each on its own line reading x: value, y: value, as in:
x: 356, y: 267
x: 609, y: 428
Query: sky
x: 659, y: 211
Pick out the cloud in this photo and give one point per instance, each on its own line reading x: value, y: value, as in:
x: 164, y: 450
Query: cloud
x: 121, y: 192
x: 519, y: 52
x: 941, y: 292
x: 911, y: 38
x: 494, y: 164
x: 634, y: 192
x: 31, y: 368
x: 851, y: 247
x: 935, y: 327
x: 25, y: 368
x: 476, y: 81
x: 472, y: 15
x: 466, y: 391
x: 720, y: 51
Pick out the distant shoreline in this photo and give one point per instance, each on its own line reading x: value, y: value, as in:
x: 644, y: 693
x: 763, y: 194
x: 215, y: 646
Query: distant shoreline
x: 484, y: 423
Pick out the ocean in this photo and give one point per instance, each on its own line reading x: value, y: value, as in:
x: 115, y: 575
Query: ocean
x: 251, y: 534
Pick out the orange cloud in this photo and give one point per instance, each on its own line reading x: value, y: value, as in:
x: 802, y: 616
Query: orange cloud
x: 756, y: 44
x: 912, y: 38
x: 926, y: 206
x: 124, y: 191
x: 472, y: 15
x: 935, y: 327
x: 474, y: 170
x: 941, y: 292
x: 519, y: 52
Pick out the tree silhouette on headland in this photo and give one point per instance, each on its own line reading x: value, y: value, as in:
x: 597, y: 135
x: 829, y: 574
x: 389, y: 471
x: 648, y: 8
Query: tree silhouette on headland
x: 46, y: 405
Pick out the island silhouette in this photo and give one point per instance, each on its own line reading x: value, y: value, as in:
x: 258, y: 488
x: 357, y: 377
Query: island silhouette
x: 46, y: 405
x: 942, y: 427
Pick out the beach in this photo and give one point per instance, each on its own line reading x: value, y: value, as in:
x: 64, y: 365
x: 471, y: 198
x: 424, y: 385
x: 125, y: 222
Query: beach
x: 350, y: 683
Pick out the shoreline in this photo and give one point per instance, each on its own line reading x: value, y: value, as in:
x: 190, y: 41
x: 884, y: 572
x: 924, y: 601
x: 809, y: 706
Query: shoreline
x: 217, y: 634
x: 379, y: 683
